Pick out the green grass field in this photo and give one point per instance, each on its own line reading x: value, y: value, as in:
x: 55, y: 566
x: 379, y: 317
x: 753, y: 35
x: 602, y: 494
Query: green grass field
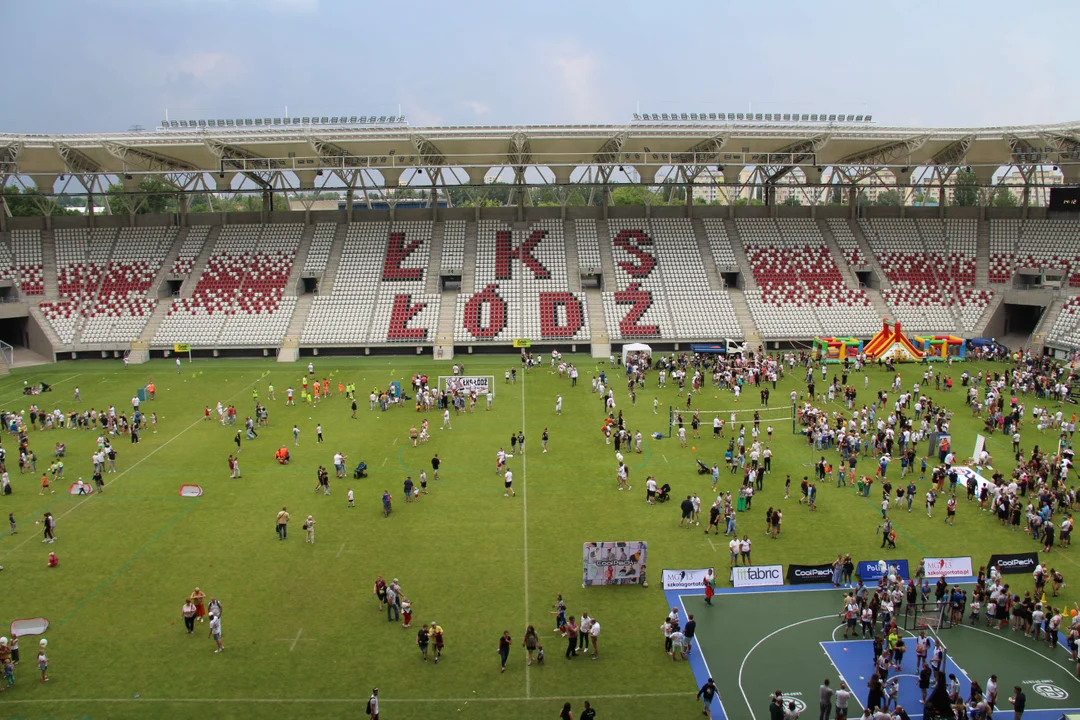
x: 303, y: 632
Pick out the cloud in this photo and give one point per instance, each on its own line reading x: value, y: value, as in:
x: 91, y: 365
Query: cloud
x: 480, y: 109
x: 578, y: 87
x: 212, y: 70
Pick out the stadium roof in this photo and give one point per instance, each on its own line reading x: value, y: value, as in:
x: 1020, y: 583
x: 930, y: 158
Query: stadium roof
x: 561, y: 148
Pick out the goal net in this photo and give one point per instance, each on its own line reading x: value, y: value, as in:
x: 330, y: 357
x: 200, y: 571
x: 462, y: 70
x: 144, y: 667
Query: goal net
x: 929, y: 615
x: 775, y: 417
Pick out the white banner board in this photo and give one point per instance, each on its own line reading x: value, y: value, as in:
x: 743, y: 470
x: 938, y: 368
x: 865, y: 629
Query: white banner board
x: 757, y: 576
x: 685, y: 579
x: 947, y: 567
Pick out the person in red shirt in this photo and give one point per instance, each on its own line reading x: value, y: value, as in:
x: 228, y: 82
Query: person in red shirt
x: 53, y: 560
x: 709, y: 592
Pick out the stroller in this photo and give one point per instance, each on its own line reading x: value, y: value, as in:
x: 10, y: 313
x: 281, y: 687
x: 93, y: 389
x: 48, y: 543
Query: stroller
x: 665, y: 493
x: 360, y: 471
x: 703, y: 469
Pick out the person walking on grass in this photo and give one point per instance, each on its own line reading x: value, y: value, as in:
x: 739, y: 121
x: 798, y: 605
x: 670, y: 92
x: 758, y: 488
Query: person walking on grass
x: 530, y: 642
x: 188, y: 613
x: 309, y: 527
x: 215, y: 631
x: 373, y: 705
x: 504, y: 649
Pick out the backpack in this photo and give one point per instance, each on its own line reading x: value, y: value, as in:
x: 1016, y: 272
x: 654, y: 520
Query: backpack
x: 367, y: 709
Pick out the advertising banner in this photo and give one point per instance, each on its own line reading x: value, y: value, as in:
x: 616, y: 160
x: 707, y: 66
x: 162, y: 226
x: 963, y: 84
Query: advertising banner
x: 1015, y: 563
x: 948, y: 567
x: 468, y: 383
x: 804, y: 574
x: 870, y: 571
x: 757, y: 576
x: 685, y: 579
x: 614, y: 563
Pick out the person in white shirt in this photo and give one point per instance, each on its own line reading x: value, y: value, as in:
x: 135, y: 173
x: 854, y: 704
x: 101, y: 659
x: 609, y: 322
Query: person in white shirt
x: 446, y: 420
x: 558, y: 405
x: 215, y: 627
x: 594, y: 635
x: 351, y: 498
x: 734, y: 547
x: 508, y: 481
x: 650, y: 490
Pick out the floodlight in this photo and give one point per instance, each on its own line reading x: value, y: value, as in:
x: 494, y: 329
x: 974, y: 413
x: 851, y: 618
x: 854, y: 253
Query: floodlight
x: 220, y: 123
x: 684, y: 117
x: 805, y: 117
x: 636, y: 116
x: 334, y: 120
x: 164, y: 123
x: 868, y: 118
x: 693, y: 116
x: 858, y: 118
x: 183, y: 123
x: 324, y: 120
x: 739, y: 116
x: 352, y: 118
x: 258, y: 121
x: 268, y: 121
x: 401, y: 118
x: 296, y: 121
x: 202, y: 123
x: 768, y: 116
x: 382, y: 118
x: 712, y: 116
x: 787, y: 117
x: 664, y: 116
x: 277, y: 121
x: 307, y: 120
x: 175, y: 123
x: 813, y: 117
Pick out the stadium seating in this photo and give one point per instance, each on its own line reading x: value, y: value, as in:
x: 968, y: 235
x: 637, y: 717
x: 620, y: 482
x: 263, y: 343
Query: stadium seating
x: 402, y: 311
x: 801, y: 292
x: 720, y: 245
x: 1066, y: 329
x: 661, y: 285
x: 1050, y: 245
x: 931, y: 265
x: 588, y: 246
x: 1004, y: 235
x: 27, y: 261
x: 342, y: 318
x: 121, y: 308
x: 521, y: 289
x: 319, y: 252
x: 190, y: 249
x: 453, y: 247
x: 238, y: 300
x: 845, y: 239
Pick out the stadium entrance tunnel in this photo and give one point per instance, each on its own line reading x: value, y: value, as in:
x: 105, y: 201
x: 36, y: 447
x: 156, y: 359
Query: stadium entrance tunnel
x: 1022, y: 319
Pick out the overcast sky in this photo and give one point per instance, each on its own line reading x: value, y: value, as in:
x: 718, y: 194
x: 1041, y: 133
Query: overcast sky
x: 102, y: 66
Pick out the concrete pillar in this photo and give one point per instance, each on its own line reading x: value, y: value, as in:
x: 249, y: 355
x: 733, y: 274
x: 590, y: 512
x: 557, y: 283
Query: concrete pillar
x: 813, y: 185
x: 44, y: 183
x: 562, y: 174
x: 1071, y: 174
x: 476, y: 175
x: 223, y: 181
x: 391, y: 176
x: 647, y: 173
x: 306, y: 178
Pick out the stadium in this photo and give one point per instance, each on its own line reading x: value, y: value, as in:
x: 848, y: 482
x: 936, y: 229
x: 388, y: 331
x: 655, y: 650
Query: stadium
x: 837, y: 319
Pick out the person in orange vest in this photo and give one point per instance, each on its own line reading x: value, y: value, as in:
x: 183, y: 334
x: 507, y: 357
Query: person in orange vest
x: 151, y: 389
x: 282, y: 455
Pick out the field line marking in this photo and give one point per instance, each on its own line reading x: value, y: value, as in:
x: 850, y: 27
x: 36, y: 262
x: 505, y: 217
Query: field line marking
x: 711, y: 544
x: 127, y: 563
x: 742, y: 666
x: 19, y: 395
x: 1020, y: 645
x: 297, y: 638
x: 324, y: 701
x: 341, y: 549
x: 719, y: 700
x: 122, y: 473
x: 664, y: 456
x: 525, y: 529
x: 838, y: 672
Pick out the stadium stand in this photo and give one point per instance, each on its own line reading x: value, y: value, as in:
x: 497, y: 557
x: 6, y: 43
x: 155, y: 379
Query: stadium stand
x: 26, y: 251
x: 453, y: 247
x: 238, y: 300
x: 801, y: 292
x: 344, y: 315
x: 588, y: 242
x: 402, y: 312
x: 190, y: 249
x: 1050, y: 245
x: 1004, y: 236
x: 319, y: 254
x: 521, y: 288
x: 121, y: 308
x: 720, y: 245
x: 849, y: 246
x: 1065, y: 331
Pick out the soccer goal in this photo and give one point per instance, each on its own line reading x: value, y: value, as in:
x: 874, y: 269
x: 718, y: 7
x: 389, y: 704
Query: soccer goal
x: 732, y: 419
x: 928, y: 615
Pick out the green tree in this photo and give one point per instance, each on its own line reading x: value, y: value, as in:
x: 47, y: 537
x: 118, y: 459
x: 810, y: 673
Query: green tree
x: 890, y: 198
x: 965, y: 189
x: 22, y: 203
x: 1003, y: 197
x: 154, y: 197
x: 743, y: 202
x: 792, y: 200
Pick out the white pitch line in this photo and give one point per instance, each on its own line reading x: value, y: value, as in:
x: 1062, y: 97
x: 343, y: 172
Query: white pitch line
x: 137, y: 463
x: 384, y: 462
x: 663, y: 456
x: 711, y: 544
x: 525, y: 530
x: 341, y: 550
x: 395, y: 441
x: 1020, y: 645
x: 324, y: 701
x: 742, y: 666
x: 297, y: 638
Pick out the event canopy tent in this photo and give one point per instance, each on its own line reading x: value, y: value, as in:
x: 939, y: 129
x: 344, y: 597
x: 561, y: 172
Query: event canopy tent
x: 635, y: 347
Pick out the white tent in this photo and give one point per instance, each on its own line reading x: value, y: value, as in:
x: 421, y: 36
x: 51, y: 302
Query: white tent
x: 635, y: 347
